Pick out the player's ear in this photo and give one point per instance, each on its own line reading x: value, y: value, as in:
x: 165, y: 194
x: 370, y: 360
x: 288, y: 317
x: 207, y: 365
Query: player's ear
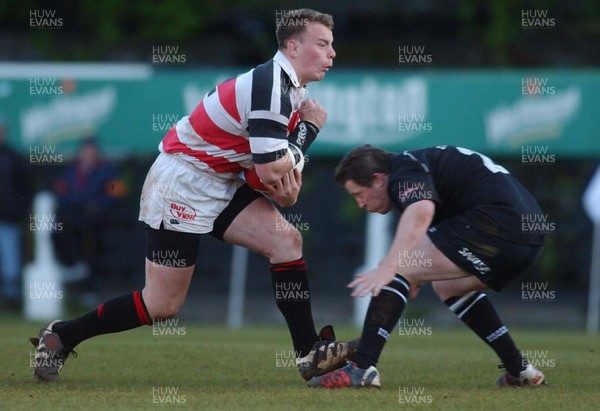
x: 292, y: 47
x: 379, y: 180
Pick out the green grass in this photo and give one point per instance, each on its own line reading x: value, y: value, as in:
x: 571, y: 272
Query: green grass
x: 215, y: 368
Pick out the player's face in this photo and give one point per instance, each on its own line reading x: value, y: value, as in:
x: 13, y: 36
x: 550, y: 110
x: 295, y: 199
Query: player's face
x: 373, y: 198
x: 315, y: 53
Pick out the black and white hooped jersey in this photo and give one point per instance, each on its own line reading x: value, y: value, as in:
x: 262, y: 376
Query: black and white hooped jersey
x: 459, y: 180
x: 242, y: 121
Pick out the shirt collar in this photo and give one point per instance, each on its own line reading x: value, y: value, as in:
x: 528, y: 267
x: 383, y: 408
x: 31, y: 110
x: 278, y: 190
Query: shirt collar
x: 285, y: 64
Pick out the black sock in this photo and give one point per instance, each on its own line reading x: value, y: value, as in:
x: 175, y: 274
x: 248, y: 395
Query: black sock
x: 119, y: 314
x: 292, y: 295
x: 476, y: 310
x: 382, y: 317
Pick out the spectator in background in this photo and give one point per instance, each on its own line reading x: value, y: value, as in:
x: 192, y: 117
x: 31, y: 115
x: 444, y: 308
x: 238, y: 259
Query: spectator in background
x: 15, y: 189
x: 87, y: 191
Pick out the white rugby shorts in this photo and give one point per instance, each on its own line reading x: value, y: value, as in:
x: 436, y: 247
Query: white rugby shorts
x: 182, y: 197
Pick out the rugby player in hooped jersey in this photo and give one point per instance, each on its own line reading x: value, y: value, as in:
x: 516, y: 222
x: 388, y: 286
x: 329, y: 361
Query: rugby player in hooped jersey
x: 460, y: 228
x: 255, y: 124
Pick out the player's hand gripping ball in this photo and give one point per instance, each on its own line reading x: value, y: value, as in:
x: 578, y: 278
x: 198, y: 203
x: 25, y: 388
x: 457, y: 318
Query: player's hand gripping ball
x: 255, y: 183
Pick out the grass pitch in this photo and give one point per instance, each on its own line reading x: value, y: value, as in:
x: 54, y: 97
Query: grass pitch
x: 185, y: 365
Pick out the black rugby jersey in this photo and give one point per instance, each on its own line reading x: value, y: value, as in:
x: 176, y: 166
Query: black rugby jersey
x: 460, y: 180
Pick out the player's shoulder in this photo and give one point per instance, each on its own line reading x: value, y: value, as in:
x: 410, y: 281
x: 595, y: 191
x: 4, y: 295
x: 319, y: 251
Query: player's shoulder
x: 262, y: 75
x: 435, y: 155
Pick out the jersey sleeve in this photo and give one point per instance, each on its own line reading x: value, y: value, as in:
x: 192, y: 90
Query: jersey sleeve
x: 410, y: 181
x: 269, y: 115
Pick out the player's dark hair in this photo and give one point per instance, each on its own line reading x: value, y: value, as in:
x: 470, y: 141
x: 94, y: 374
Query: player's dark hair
x: 295, y: 22
x: 361, y: 163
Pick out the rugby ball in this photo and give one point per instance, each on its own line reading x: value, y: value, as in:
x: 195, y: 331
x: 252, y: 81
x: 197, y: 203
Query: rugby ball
x: 300, y: 165
x: 254, y: 181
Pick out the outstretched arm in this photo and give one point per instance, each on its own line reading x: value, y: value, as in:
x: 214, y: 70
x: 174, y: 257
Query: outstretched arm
x: 412, y: 227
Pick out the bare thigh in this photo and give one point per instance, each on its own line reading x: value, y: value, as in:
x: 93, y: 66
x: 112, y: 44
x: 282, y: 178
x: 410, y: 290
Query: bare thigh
x: 260, y: 227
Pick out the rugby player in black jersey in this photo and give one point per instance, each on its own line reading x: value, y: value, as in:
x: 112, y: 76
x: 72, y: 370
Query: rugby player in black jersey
x: 460, y: 228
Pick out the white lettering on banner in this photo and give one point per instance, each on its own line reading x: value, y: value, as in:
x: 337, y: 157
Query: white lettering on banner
x: 528, y: 116
x: 67, y: 114
x: 371, y: 109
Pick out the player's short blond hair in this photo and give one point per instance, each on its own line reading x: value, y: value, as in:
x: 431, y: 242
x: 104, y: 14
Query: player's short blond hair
x: 296, y: 22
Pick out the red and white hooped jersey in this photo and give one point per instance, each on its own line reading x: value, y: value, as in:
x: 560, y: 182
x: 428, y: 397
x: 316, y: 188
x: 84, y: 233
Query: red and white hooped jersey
x: 242, y: 121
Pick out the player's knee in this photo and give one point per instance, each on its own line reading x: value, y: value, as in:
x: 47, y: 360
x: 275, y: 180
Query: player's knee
x: 163, y: 310
x: 285, y: 246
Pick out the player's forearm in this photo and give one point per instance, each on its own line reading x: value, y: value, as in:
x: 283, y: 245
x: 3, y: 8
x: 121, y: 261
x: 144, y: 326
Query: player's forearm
x: 411, y: 229
x: 270, y: 173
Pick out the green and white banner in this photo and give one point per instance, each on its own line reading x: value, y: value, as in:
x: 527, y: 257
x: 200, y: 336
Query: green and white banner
x: 129, y: 108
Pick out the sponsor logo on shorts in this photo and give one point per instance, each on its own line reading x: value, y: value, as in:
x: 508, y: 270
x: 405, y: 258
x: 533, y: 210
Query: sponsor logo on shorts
x: 182, y: 212
x: 476, y: 261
